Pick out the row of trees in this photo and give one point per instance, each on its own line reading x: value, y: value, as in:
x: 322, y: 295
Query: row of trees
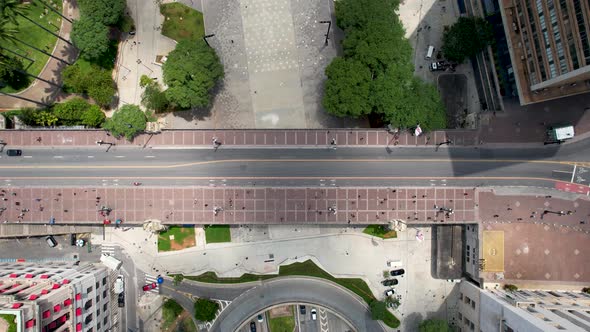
x: 74, y: 112
x: 375, y: 76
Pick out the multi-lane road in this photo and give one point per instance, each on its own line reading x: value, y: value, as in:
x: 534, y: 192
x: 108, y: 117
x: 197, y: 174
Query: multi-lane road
x: 304, y: 166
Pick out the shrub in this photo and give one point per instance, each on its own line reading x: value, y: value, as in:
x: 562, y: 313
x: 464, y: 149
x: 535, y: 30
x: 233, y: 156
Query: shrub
x: 127, y: 121
x: 205, y: 310
x: 93, y: 117
x: 170, y: 310
x: 510, y: 287
x: 12, y: 72
x: 92, y: 80
x: 90, y: 37
x: 434, y: 325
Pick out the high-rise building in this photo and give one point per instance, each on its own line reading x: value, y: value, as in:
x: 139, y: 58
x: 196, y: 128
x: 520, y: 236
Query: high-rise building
x: 493, y: 310
x: 56, y: 296
x: 549, y: 45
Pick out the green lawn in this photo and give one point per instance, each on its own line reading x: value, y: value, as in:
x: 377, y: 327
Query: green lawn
x: 180, y: 234
x: 217, y: 233
x: 380, y: 231
x: 10, y: 319
x: 282, y: 324
x: 33, y: 35
x: 182, y: 22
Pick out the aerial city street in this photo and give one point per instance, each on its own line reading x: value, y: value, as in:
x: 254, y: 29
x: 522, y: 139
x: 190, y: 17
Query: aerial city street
x: 294, y: 165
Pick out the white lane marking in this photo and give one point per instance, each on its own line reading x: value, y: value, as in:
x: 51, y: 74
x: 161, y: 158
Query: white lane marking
x: 573, y: 173
x: 119, y: 156
x: 90, y: 156
x: 150, y: 156
x: 58, y: 157
x: 27, y: 157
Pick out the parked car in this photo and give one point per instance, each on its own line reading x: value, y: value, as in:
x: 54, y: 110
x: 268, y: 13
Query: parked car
x: 252, y: 327
x: 119, y: 286
x: 398, y: 272
x: 302, y: 309
x: 389, y: 292
x: 147, y: 287
x: 121, y: 300
x: 314, y: 315
x: 436, y: 66
x: 260, y: 318
x: 51, y: 241
x: 14, y: 152
x: 389, y: 282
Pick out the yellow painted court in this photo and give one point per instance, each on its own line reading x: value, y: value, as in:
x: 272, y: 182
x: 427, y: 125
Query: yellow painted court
x: 493, y: 251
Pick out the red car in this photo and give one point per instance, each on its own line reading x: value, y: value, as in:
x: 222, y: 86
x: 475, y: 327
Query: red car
x: 153, y: 285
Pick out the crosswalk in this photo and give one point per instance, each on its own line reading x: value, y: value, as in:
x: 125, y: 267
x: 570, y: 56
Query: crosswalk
x: 149, y: 279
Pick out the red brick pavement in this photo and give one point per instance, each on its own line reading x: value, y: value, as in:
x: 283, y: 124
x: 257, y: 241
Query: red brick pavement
x: 203, y: 138
x: 240, y: 205
x: 543, y: 252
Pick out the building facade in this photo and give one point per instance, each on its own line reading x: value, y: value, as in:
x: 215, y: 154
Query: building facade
x: 549, y: 45
x: 495, y: 310
x: 56, y: 296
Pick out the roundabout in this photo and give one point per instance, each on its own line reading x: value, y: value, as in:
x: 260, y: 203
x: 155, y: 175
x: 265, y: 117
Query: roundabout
x: 348, y: 306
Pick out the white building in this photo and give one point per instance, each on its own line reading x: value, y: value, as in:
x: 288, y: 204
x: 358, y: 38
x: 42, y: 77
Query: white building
x: 495, y: 310
x: 56, y: 296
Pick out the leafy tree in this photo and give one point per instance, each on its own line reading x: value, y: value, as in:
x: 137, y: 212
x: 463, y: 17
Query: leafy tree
x: 355, y: 14
x: 434, y: 325
x: 107, y: 12
x: 96, y: 82
x: 45, y: 118
x: 90, y: 37
x: 93, y: 117
x: 347, y: 88
x: 12, y: 72
x: 178, y: 278
x: 11, y: 9
x: 145, y: 80
x: 70, y: 112
x: 378, y: 310
x: 127, y: 121
x: 170, y: 310
x: 153, y: 98
x: 510, y: 287
x: 205, y: 310
x: 191, y: 71
x: 586, y: 290
x: 467, y: 37
x: 74, y: 79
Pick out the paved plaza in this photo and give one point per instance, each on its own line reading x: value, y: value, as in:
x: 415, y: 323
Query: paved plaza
x: 197, y: 205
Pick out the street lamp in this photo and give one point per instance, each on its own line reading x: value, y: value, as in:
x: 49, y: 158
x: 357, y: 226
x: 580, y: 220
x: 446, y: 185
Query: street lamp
x: 328, y: 32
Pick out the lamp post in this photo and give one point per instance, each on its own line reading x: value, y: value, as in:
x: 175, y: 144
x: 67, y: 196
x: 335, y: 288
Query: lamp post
x: 328, y: 32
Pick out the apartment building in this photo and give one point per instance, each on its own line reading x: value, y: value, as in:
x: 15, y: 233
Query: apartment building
x: 56, y: 296
x: 495, y: 310
x: 549, y: 45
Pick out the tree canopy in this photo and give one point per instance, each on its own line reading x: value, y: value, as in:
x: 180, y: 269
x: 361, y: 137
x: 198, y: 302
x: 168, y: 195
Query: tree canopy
x: 467, y: 37
x: 434, y: 325
x: 107, y: 12
x: 376, y: 75
x: 127, y: 121
x: 93, y: 80
x: 191, y: 71
x: 90, y: 37
x: 205, y: 310
x: 12, y: 72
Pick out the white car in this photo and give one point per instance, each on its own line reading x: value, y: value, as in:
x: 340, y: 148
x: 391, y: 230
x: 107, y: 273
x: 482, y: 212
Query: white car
x: 119, y: 286
x: 314, y: 315
x: 389, y: 292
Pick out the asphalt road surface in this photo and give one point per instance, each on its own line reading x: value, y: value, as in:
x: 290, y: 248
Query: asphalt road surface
x: 294, y: 290
x: 292, y: 167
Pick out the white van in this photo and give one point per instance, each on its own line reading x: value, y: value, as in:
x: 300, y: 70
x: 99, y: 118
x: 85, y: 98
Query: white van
x: 429, y: 53
x: 110, y: 262
x: 394, y: 263
x: 119, y: 286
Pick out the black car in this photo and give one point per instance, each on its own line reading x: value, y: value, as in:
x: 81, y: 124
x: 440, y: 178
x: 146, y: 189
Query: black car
x: 397, y: 272
x: 14, y: 152
x: 302, y: 309
x: 121, y: 300
x: 252, y: 327
x: 389, y: 282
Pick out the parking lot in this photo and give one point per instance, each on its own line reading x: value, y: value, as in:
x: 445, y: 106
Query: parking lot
x: 36, y: 249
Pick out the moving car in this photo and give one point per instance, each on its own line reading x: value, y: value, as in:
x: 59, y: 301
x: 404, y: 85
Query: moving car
x: 14, y: 152
x: 302, y: 309
x: 389, y: 282
x: 389, y: 292
x: 252, y: 327
x: 147, y: 287
x: 121, y: 300
x: 51, y: 241
x: 398, y: 272
x: 314, y: 315
x: 260, y: 319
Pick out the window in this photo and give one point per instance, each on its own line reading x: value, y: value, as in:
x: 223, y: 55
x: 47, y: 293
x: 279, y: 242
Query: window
x: 104, y: 307
x: 460, y: 317
x: 104, y: 294
x: 104, y: 281
x: 461, y: 296
x: 97, y: 285
x: 89, y: 289
x: 473, y: 305
x: 97, y: 312
x: 105, y: 321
